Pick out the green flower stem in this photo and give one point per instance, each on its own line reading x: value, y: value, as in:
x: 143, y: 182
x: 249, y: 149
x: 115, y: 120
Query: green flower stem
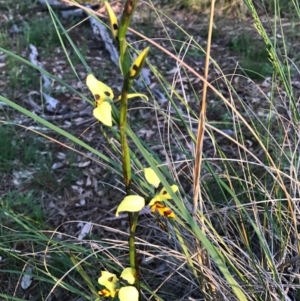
x: 129, y: 8
x: 128, y: 11
x: 124, y: 144
x: 132, y: 217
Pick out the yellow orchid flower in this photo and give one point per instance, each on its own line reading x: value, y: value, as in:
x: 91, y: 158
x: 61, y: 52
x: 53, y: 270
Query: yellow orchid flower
x: 128, y: 293
x: 131, y: 203
x: 138, y: 64
x: 103, y: 95
x: 112, y: 285
x: 113, y: 21
x: 110, y: 281
x: 163, y: 195
x: 135, y: 203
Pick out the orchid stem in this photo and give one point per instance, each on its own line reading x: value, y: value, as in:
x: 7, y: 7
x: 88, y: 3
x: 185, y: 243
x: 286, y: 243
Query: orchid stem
x: 124, y: 144
x: 132, y: 217
x: 129, y: 8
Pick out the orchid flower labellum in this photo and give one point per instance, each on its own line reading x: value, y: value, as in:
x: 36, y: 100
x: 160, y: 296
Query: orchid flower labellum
x: 156, y: 205
x: 128, y: 293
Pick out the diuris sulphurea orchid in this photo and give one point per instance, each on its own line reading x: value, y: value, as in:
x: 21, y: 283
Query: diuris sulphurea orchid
x: 104, y: 96
x: 110, y: 281
x: 135, y: 203
x: 155, y: 204
x: 113, y: 287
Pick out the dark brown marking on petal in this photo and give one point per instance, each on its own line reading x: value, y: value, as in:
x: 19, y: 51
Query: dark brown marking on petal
x: 135, y: 67
x: 104, y: 292
x: 167, y: 212
x: 115, y: 26
x: 164, y: 192
x: 110, y: 279
x: 107, y: 93
x: 97, y: 96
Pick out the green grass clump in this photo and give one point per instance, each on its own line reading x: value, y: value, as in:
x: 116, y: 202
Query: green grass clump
x: 20, y: 149
x: 30, y: 158
x: 254, y: 56
x: 41, y: 32
x: 26, y: 205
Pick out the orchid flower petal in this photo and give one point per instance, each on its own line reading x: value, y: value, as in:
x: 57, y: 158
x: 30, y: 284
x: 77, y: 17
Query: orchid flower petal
x: 133, y: 95
x: 151, y: 177
x: 103, y: 113
x: 99, y: 90
x: 113, y: 21
x: 137, y: 65
x: 131, y: 203
x: 153, y: 202
x: 164, y: 195
x: 128, y: 293
x: 128, y: 275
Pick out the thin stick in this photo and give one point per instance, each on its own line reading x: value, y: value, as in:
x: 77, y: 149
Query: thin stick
x: 203, y: 257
